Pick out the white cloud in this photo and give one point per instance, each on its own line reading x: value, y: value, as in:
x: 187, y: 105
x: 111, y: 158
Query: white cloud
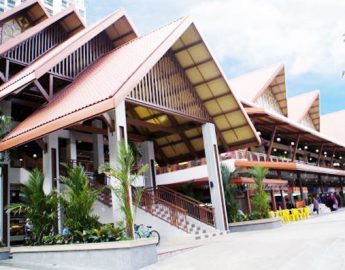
x: 307, y: 36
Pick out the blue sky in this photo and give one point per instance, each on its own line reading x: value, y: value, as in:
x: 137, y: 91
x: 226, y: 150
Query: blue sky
x: 306, y: 36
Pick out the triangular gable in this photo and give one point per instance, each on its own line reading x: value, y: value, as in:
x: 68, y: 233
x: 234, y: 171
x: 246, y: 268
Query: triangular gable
x: 332, y: 125
x: 265, y: 87
x: 305, y: 109
x: 116, y: 26
x: 111, y: 79
x: 21, y: 18
x: 69, y: 20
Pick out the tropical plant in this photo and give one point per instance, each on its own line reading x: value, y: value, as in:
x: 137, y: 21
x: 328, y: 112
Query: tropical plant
x: 229, y: 193
x: 106, y: 233
x: 78, y: 199
x: 39, y: 207
x: 260, y: 198
x: 189, y: 190
x: 126, y: 173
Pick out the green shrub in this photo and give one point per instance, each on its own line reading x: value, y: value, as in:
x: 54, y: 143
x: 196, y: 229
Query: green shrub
x: 40, y: 208
x: 260, y: 198
x: 229, y: 194
x: 78, y: 199
x: 106, y: 233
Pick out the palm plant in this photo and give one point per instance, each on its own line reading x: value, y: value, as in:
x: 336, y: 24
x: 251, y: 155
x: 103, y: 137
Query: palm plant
x: 260, y: 199
x: 126, y: 173
x: 39, y: 207
x: 229, y: 193
x: 78, y: 200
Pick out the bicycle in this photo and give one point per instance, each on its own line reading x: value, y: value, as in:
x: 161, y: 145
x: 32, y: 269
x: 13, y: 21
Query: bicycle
x: 142, y: 231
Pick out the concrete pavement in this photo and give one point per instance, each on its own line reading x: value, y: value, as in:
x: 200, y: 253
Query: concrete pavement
x: 318, y: 243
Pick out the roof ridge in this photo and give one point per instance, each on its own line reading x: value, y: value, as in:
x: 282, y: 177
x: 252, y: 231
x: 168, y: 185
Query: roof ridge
x: 151, y: 32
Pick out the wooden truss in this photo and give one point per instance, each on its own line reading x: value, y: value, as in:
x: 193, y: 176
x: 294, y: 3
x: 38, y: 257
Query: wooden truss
x: 166, y: 88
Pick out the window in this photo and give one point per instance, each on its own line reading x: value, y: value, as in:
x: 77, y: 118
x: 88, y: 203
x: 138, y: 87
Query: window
x: 64, y: 3
x: 49, y: 11
x: 11, y: 3
x: 49, y: 2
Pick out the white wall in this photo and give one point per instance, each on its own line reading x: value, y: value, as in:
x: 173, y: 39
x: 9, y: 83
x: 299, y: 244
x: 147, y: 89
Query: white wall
x: 18, y: 175
x: 166, y: 231
x: 189, y: 174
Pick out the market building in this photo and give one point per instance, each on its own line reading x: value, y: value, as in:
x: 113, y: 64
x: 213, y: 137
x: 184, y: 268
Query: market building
x: 74, y: 92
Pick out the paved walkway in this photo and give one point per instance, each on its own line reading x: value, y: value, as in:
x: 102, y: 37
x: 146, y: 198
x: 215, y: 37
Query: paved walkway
x: 318, y: 243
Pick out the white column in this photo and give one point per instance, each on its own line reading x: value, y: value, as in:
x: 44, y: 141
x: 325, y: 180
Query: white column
x: 98, y: 146
x: 120, y: 132
x: 51, y: 142
x: 148, y: 157
x: 72, y: 147
x: 214, y: 174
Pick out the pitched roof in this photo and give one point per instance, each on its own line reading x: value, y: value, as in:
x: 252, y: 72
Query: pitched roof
x: 51, y: 58
x: 289, y: 128
x: 305, y: 104
x: 109, y: 80
x: 250, y: 86
x: 332, y: 125
x: 33, y: 8
x: 68, y: 18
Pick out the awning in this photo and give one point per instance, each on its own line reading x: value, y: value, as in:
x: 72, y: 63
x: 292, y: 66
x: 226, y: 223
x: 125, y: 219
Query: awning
x: 269, y: 184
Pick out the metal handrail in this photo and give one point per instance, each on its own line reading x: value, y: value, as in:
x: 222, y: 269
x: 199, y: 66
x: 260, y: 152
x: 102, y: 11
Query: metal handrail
x: 194, y: 208
x: 174, y: 215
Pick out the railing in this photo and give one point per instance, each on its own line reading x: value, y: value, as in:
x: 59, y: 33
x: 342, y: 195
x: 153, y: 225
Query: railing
x: 164, y: 210
x: 238, y: 155
x: 194, y: 208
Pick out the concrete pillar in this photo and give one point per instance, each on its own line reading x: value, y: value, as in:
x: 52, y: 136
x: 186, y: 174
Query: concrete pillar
x: 98, y: 146
x: 283, y: 199
x: 214, y: 174
x: 119, y: 133
x: 51, y: 162
x: 273, y: 201
x: 148, y: 157
x: 51, y: 168
x: 72, y: 147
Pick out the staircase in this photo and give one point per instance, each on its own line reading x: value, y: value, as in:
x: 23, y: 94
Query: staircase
x: 178, y: 210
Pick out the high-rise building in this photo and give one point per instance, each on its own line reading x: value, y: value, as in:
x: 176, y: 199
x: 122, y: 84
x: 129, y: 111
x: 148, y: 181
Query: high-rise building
x: 52, y: 6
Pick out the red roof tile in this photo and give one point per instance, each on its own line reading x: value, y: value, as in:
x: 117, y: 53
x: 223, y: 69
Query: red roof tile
x: 57, y: 54
x: 102, y: 86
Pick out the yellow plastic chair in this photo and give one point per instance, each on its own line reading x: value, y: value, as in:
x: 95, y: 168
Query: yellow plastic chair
x: 296, y: 215
x: 305, y: 212
x: 286, y: 216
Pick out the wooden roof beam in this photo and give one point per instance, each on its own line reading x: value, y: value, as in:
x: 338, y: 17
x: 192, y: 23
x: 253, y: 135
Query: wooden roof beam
x: 208, y: 80
x: 186, y: 47
x: 183, y: 137
x: 42, y: 90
